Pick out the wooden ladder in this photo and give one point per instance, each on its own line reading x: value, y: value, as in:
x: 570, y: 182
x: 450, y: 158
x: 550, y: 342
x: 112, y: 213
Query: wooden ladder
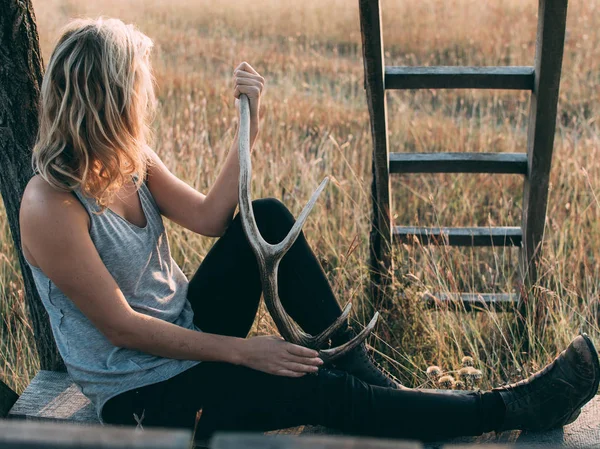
x: 542, y: 80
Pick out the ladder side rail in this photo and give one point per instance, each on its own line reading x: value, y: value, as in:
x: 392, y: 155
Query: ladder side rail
x: 542, y: 125
x: 374, y: 73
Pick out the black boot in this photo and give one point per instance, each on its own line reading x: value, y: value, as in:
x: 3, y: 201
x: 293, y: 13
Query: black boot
x: 553, y: 397
x: 359, y: 363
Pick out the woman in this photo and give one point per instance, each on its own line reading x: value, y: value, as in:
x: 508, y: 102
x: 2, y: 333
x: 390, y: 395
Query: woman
x: 144, y: 344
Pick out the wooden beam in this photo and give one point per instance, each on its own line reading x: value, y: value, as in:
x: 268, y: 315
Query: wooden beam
x: 444, y: 77
x: 372, y: 45
x: 478, y: 236
x: 511, y: 163
x: 254, y: 441
x: 552, y: 17
x: 44, y: 435
x: 21, y: 71
x: 7, y: 399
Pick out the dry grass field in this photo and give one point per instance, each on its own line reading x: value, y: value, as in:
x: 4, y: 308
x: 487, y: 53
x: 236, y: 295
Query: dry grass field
x: 315, y: 124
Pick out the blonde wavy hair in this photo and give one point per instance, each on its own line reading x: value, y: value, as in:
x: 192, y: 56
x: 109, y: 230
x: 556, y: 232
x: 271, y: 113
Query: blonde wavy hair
x: 97, y: 99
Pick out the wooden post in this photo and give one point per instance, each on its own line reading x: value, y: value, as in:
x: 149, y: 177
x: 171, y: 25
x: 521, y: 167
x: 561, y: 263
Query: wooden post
x: 20, y: 79
x: 374, y: 73
x: 552, y: 17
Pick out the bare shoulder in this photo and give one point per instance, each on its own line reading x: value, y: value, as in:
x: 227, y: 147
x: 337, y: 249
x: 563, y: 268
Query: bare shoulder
x: 41, y: 200
x: 155, y: 163
x: 46, y: 210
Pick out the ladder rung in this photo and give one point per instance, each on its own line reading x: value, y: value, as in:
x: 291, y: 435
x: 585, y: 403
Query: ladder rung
x: 458, y: 163
x: 448, y: 77
x: 499, y: 236
x: 474, y: 301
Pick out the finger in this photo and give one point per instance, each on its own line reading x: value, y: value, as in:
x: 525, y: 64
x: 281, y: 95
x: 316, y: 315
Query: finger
x: 246, y: 78
x: 247, y: 82
x: 301, y: 351
x: 247, y: 68
x: 242, y: 74
x: 237, y: 92
x: 301, y: 367
x: 251, y: 91
x: 314, y: 361
x: 288, y: 373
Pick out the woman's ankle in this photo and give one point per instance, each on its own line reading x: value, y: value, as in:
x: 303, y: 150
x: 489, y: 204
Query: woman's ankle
x: 493, y: 409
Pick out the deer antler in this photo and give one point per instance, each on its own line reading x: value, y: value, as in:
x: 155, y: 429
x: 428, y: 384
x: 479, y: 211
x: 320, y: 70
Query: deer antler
x: 269, y: 256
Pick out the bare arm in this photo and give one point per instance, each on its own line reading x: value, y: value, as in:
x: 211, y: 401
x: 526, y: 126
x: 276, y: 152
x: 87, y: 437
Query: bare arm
x: 208, y: 214
x: 54, y: 229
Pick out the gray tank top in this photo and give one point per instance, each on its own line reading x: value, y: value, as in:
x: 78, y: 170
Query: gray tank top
x: 139, y: 259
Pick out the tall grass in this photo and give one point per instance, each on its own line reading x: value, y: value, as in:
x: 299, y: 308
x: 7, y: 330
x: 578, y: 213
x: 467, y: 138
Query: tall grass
x: 315, y: 123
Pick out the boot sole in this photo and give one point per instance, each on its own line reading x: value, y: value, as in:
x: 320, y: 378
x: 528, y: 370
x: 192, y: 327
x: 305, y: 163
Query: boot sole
x: 596, y: 362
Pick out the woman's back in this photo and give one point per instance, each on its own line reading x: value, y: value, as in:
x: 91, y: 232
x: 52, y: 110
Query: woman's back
x: 139, y: 260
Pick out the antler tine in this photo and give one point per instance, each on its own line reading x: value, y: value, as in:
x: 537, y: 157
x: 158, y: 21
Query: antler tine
x: 320, y: 339
x: 282, y: 247
x: 288, y: 328
x: 327, y: 355
x: 256, y: 241
x: 265, y: 253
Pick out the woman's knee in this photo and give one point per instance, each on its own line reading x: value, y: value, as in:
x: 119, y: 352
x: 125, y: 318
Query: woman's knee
x: 270, y: 207
x: 273, y: 218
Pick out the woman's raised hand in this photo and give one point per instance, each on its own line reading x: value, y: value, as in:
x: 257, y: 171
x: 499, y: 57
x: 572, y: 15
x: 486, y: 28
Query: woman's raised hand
x: 274, y: 355
x: 247, y: 81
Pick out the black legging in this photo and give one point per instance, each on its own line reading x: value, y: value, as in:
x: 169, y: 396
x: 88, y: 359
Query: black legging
x: 225, y: 293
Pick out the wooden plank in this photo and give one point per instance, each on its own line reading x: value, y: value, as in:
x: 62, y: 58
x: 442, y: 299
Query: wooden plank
x: 45, y: 435
x: 254, y: 441
x: 473, y: 301
x: 52, y: 395
x: 306, y: 430
x: 479, y: 236
x: 510, y: 163
x: 552, y: 16
x: 445, y: 77
x: 373, y: 60
x: 7, y: 398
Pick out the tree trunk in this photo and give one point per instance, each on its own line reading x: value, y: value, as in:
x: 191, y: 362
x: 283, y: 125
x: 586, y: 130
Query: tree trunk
x: 7, y: 399
x: 21, y: 70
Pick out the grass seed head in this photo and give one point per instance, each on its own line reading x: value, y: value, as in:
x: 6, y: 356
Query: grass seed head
x: 467, y: 361
x: 460, y: 385
x: 464, y: 373
x: 446, y: 382
x: 476, y: 375
x: 434, y: 372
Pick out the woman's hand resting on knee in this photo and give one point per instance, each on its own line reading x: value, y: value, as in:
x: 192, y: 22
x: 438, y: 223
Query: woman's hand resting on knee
x: 274, y: 355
